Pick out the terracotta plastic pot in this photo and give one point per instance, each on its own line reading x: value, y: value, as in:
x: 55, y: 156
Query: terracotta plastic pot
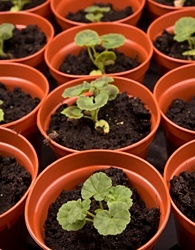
x: 42, y: 10
x: 61, y: 9
x: 178, y: 83
x: 166, y: 22
x: 80, y: 166
x: 29, y: 80
x: 22, y: 19
x: 156, y: 10
x: 14, y: 144
x: 181, y: 160
x: 133, y: 88
x: 137, y: 44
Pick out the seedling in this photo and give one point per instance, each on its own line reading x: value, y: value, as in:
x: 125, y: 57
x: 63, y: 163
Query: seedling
x: 91, y: 97
x: 90, y: 39
x: 18, y: 4
x: 111, y: 220
x: 95, y: 13
x: 179, y: 3
x: 1, y: 112
x: 6, y: 32
x: 184, y: 30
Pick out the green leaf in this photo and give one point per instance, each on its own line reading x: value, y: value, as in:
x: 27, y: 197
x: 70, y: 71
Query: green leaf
x: 112, y: 91
x: 119, y: 194
x: 97, y: 186
x: 94, y: 17
x: 6, y: 31
x: 1, y: 115
x: 71, y: 215
x: 102, y: 82
x: 112, y: 40
x: 95, y: 72
x: 104, y: 125
x: 90, y: 103
x: 103, y: 57
x: 72, y: 112
x: 113, y: 221
x: 184, y: 28
x: 87, y: 38
x: 96, y: 9
x: 189, y: 52
x: 76, y: 90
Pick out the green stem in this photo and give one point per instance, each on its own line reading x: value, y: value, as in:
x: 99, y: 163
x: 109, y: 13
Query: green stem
x: 101, y: 205
x: 90, y: 214
x: 90, y: 220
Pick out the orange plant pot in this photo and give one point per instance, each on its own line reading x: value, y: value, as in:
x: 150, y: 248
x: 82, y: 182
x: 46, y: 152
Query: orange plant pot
x: 178, y: 83
x: 61, y: 8
x: 22, y: 19
x: 80, y: 166
x: 137, y: 44
x: 29, y: 80
x: 43, y: 9
x: 181, y: 160
x: 133, y: 88
x: 14, y: 144
x: 166, y: 22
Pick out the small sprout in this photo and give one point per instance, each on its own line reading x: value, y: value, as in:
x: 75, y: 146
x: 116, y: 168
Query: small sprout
x: 184, y: 30
x: 18, y: 4
x: 99, y: 91
x: 90, y: 39
x: 95, y: 13
x: 6, y: 32
x: 73, y: 215
x: 179, y: 3
x: 1, y: 112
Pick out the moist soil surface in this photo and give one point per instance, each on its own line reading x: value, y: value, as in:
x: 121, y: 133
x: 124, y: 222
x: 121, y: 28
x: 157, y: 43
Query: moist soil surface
x: 171, y: 3
x: 182, y: 190
x: 166, y: 44
x: 82, y: 65
x: 110, y: 16
x: 6, y: 5
x: 24, y: 42
x: 182, y: 113
x: 128, y: 118
x: 16, y: 103
x: 14, y: 182
x: 143, y: 225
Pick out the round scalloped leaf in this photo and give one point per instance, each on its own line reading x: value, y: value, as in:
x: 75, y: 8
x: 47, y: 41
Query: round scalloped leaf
x: 102, y: 81
x: 97, y: 186
x: 90, y: 103
x: 113, y: 221
x: 112, y: 91
x: 87, y: 38
x: 76, y: 90
x: 96, y: 8
x: 184, y: 28
x: 112, y: 40
x: 94, y: 17
x: 72, y: 112
x: 6, y: 31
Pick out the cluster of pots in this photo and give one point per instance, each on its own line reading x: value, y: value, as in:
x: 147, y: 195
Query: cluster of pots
x: 176, y: 81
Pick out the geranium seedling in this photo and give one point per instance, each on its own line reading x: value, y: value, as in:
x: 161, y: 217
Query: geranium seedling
x: 6, y: 32
x: 18, y: 4
x: 184, y: 30
x: 113, y: 214
x: 90, y: 39
x: 99, y: 91
x: 95, y: 12
x: 1, y: 112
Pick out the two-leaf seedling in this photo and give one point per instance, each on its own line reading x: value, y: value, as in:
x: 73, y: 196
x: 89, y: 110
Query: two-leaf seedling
x: 184, y: 30
x: 99, y: 91
x: 1, y: 112
x: 111, y: 220
x: 95, y: 12
x: 6, y: 32
x: 18, y: 4
x: 90, y: 39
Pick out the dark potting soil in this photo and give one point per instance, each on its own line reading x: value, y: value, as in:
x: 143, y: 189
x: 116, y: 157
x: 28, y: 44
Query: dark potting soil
x: 182, y: 190
x: 110, y: 16
x: 24, y: 42
x: 143, y: 225
x: 182, y: 113
x: 166, y: 44
x: 6, y: 5
x: 16, y: 103
x: 171, y: 3
x: 82, y: 65
x: 14, y: 182
x: 128, y: 118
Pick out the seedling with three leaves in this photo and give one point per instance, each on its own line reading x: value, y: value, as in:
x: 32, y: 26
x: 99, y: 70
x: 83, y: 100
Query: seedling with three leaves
x: 184, y: 30
x: 91, y: 97
x: 6, y: 32
x: 90, y: 39
x: 113, y: 214
x: 95, y: 12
